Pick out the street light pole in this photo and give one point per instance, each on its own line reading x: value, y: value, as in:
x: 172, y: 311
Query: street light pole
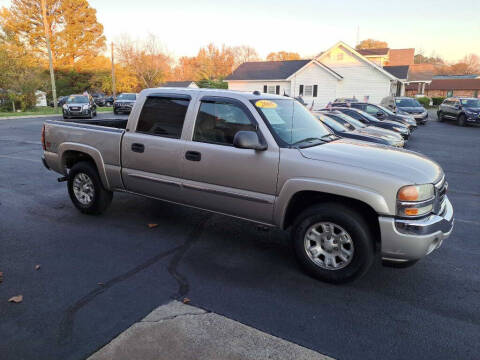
x: 113, y: 74
x: 49, y: 49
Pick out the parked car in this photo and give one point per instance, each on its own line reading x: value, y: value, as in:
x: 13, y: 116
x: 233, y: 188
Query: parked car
x: 340, y: 126
x: 99, y: 99
x: 370, y: 120
x: 263, y: 158
x: 406, y: 105
x: 109, y: 101
x: 60, y: 101
x: 345, y: 100
x: 79, y: 106
x: 124, y: 103
x: 382, y: 113
x: 463, y: 110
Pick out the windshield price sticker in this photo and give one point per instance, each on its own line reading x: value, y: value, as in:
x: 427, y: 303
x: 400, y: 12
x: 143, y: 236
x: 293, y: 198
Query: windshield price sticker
x: 265, y: 104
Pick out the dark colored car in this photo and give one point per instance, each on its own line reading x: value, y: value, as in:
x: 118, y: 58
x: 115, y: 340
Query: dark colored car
x: 370, y: 120
x: 99, y: 99
x: 463, y: 110
x: 352, y: 124
x: 382, y: 113
x: 109, y: 100
x: 344, y: 131
x: 124, y: 103
x: 60, y: 101
x: 406, y: 105
x: 79, y: 106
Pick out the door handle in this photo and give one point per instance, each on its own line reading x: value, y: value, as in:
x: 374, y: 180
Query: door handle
x: 140, y: 148
x: 193, y: 156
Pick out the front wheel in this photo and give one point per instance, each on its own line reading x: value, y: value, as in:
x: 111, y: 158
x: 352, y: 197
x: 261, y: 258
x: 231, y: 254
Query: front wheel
x: 333, y: 243
x: 86, y: 189
x: 461, y: 120
x: 440, y: 116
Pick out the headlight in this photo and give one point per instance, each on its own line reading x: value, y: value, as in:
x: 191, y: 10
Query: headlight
x: 415, y: 200
x: 399, y: 129
x: 65, y: 106
x: 85, y: 107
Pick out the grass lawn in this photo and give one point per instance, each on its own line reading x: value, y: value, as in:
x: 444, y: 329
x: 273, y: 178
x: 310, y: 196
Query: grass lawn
x: 46, y: 111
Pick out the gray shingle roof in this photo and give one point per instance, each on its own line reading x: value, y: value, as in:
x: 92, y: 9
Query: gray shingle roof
x: 176, y: 84
x: 267, y: 70
x: 400, y: 72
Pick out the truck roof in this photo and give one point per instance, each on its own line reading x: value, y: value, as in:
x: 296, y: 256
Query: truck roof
x: 249, y: 95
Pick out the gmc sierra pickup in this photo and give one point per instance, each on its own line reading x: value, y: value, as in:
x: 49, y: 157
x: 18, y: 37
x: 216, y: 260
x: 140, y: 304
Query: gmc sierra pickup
x: 263, y: 158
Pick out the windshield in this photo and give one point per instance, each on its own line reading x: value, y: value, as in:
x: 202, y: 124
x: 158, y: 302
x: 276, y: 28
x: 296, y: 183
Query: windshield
x: 335, y: 125
x: 407, y: 103
x: 356, y: 123
x: 77, y: 99
x: 385, y: 109
x: 127, y: 97
x: 470, y: 102
x: 291, y: 122
x: 368, y: 116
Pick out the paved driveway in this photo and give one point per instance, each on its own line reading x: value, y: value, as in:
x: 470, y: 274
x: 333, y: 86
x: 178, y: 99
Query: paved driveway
x: 99, y: 275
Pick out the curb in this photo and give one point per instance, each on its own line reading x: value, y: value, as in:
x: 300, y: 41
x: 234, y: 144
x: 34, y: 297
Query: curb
x: 29, y: 116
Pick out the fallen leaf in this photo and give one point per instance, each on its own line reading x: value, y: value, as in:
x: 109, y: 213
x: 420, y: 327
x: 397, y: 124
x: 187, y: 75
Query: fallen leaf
x: 186, y: 300
x: 16, y: 299
x: 151, y: 226
x: 37, y: 267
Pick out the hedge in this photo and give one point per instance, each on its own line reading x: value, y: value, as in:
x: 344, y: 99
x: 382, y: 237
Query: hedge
x: 425, y: 101
x: 437, y: 100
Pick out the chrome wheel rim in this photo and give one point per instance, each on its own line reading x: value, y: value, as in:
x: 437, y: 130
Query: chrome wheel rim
x: 329, y: 246
x: 83, y: 188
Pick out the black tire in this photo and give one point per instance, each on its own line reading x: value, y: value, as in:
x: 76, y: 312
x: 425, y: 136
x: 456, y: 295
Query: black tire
x: 356, y: 227
x: 90, y: 115
x: 95, y: 113
x: 440, y: 116
x: 66, y: 117
x: 115, y: 112
x: 461, y: 120
x: 101, y: 198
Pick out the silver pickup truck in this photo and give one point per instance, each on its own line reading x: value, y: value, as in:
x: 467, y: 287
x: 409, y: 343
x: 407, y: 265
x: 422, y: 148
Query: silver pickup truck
x: 266, y: 159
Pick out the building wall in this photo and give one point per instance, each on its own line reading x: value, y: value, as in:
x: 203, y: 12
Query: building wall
x: 359, y: 78
x: 250, y: 86
x: 312, y: 75
x: 443, y: 93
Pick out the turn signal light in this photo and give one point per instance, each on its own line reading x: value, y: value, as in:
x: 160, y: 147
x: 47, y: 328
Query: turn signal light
x: 408, y: 193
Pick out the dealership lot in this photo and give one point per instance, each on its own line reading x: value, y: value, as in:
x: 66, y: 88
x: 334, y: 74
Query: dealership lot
x: 99, y: 275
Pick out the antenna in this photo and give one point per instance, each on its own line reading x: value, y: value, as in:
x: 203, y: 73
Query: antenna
x: 358, y: 34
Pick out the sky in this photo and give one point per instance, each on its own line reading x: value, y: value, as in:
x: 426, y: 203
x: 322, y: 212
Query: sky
x: 445, y: 28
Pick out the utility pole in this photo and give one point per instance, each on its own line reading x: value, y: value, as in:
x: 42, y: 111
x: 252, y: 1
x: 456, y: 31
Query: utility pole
x: 114, y: 92
x: 49, y: 49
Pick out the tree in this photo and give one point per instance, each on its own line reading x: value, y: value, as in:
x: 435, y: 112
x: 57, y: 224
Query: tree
x: 282, y: 56
x: 145, y: 60
x: 371, y: 44
x: 72, y: 26
x: 244, y: 53
x: 421, y: 59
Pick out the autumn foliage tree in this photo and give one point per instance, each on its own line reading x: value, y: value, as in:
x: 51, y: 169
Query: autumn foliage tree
x: 371, y: 44
x: 282, y: 56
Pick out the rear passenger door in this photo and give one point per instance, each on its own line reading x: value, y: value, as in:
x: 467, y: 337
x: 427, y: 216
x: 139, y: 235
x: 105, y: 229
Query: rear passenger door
x: 152, y: 152
x: 221, y: 177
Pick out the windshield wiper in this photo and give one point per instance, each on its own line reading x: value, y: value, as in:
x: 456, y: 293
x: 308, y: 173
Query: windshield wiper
x: 308, y: 140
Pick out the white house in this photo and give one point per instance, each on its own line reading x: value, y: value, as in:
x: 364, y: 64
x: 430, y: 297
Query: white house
x: 41, y: 98
x: 339, y: 72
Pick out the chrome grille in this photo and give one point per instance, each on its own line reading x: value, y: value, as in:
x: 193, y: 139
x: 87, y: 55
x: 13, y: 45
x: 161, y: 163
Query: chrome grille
x: 440, y: 195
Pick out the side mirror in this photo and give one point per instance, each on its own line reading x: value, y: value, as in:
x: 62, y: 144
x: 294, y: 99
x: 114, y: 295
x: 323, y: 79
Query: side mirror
x: 458, y: 107
x: 248, y: 140
x: 379, y: 114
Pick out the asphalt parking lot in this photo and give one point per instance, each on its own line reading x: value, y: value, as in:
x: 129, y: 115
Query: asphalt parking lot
x: 99, y: 275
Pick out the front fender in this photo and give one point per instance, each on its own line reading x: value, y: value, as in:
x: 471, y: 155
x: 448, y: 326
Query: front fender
x: 293, y: 186
x: 86, y: 149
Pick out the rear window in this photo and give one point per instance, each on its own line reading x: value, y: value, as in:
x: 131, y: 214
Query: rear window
x: 127, y: 97
x: 163, y: 116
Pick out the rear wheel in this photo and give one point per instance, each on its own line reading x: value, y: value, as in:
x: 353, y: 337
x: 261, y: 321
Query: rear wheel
x: 115, y: 112
x: 86, y: 190
x: 440, y: 116
x: 333, y: 243
x: 461, y: 120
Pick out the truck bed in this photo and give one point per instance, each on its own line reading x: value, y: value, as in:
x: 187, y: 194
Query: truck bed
x: 114, y: 123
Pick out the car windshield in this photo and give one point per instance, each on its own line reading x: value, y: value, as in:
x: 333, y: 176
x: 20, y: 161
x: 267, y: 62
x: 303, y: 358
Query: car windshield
x: 127, y: 97
x: 332, y: 123
x: 385, y: 109
x: 291, y: 122
x: 407, y: 103
x: 367, y: 116
x: 470, y: 102
x: 357, y: 124
x: 77, y: 99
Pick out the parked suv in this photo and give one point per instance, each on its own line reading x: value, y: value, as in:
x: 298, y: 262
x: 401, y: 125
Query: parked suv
x: 80, y: 106
x: 124, y: 103
x: 406, y: 105
x: 463, y: 110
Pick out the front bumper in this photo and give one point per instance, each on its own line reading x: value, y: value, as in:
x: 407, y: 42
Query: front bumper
x: 407, y: 240
x: 420, y: 118
x: 473, y: 118
x: 79, y: 113
x: 123, y: 107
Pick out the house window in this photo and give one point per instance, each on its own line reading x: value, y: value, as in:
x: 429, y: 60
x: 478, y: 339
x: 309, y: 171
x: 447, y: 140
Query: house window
x: 340, y: 56
x: 300, y: 90
x: 475, y: 94
x: 271, y: 89
x: 308, y: 90
x: 449, y: 93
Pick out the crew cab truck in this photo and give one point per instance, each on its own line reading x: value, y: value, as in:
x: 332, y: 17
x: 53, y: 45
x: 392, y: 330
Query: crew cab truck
x: 263, y: 158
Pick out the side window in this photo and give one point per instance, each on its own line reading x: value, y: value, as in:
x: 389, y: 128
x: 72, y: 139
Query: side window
x: 372, y: 110
x: 163, y: 116
x: 218, y: 122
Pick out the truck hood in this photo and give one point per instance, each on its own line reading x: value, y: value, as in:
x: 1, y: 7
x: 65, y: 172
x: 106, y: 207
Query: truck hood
x: 413, y: 109
x: 410, y: 166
